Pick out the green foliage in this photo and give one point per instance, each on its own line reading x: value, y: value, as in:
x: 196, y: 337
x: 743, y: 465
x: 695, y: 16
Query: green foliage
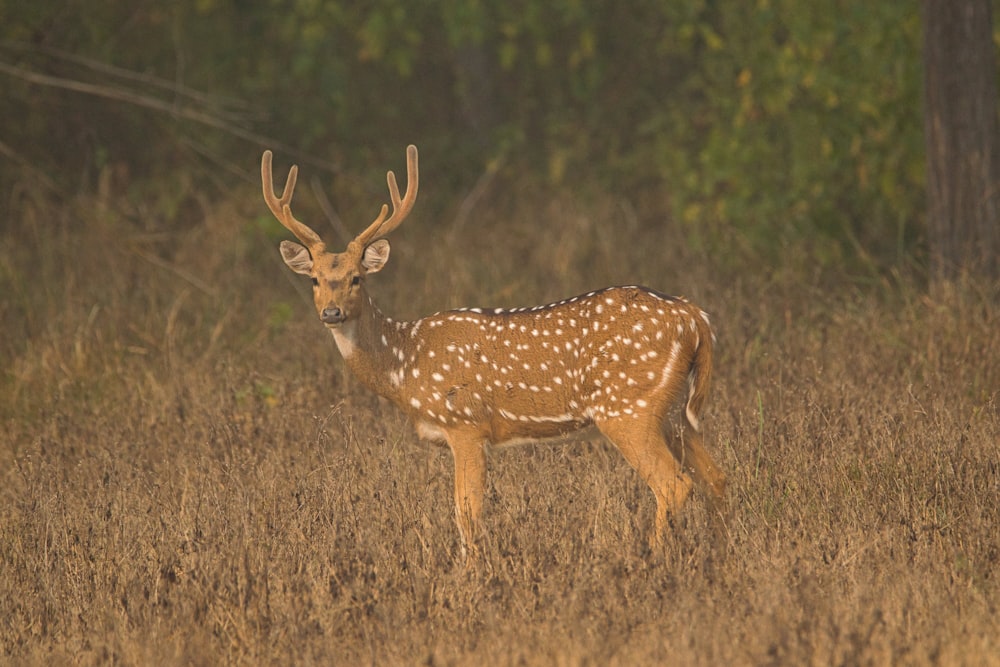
x: 764, y: 122
x: 815, y: 130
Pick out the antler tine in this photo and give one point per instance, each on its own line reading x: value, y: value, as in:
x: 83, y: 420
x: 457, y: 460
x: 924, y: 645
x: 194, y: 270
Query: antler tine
x: 401, y: 207
x: 281, y: 207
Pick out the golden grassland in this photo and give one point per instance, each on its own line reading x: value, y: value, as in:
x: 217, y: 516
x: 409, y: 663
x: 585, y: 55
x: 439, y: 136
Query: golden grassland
x: 190, y: 476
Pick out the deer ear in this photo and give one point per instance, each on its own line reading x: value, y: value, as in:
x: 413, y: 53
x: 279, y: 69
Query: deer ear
x: 376, y: 255
x: 296, y: 257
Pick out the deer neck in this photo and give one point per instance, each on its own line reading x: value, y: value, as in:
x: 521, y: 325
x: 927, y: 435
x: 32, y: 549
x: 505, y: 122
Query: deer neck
x: 371, y: 344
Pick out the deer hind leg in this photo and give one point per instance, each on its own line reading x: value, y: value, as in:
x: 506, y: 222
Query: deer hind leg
x: 640, y: 439
x: 470, y: 480
x: 689, y: 449
x: 695, y: 455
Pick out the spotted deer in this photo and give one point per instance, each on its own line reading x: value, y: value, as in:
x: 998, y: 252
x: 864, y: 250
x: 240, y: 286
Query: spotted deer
x: 615, y: 358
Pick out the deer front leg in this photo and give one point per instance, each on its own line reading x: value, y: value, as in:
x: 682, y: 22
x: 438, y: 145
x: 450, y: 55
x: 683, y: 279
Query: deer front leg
x: 470, y: 479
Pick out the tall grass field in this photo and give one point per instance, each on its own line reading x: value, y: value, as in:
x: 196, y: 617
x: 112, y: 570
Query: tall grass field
x: 190, y: 476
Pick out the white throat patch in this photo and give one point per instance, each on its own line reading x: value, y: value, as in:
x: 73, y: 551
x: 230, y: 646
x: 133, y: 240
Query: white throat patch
x: 344, y: 336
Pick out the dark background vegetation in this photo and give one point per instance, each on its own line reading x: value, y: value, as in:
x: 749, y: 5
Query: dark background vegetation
x: 761, y: 120
x: 188, y: 475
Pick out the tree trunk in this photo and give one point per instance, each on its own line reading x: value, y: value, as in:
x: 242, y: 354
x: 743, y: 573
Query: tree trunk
x: 961, y: 134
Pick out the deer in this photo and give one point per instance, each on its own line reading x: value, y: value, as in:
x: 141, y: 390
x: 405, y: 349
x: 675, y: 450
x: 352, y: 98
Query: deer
x: 617, y: 359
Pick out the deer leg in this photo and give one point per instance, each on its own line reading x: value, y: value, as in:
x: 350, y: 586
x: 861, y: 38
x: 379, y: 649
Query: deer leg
x: 689, y: 449
x: 470, y: 479
x: 701, y: 461
x: 642, y: 443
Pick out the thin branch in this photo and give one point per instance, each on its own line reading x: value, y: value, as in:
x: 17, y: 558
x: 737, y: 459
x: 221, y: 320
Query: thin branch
x: 215, y: 101
x: 331, y: 214
x: 478, y: 191
x: 178, y: 271
x: 11, y: 154
x: 156, y: 104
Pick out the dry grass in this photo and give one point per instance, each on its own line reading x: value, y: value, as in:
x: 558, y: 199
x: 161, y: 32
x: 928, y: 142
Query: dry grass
x: 189, y: 476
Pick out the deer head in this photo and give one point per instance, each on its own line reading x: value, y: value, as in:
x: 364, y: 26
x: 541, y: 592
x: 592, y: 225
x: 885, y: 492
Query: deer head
x: 338, y: 278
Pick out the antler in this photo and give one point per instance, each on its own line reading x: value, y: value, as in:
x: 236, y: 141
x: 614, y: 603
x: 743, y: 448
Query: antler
x: 400, y: 207
x: 281, y: 208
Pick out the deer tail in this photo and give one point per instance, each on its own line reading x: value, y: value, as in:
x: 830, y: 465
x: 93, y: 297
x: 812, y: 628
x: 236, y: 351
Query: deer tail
x: 700, y: 375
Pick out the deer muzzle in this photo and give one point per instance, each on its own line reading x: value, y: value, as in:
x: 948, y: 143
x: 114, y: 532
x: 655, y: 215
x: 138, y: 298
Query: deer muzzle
x: 332, y: 315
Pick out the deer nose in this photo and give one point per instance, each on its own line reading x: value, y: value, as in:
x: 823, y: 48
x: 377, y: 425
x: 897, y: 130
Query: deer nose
x: 332, y: 315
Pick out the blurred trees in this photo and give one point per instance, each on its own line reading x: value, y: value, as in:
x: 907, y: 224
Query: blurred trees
x: 963, y: 144
x: 767, y: 122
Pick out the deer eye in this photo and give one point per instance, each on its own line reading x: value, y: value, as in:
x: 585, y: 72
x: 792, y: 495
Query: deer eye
x: 315, y: 282
x: 356, y: 280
